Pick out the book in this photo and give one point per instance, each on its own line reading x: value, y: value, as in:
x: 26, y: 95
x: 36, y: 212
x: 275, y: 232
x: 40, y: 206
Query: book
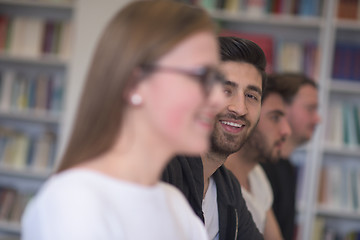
x: 309, y: 8
x: 18, y: 36
x: 41, y: 92
x: 334, y: 125
x: 7, y: 204
x: 346, y: 60
x: 33, y: 32
x: 21, y: 146
x: 311, y: 60
x: 233, y: 5
x: 255, y: 8
x: 43, y: 151
x: 20, y: 202
x: 66, y: 39
x: 334, y: 179
x: 318, y: 229
x: 208, y: 4
x: 48, y: 37
x: 349, y: 126
x: 4, y: 25
x: 322, y: 187
x: 347, y: 9
x: 8, y: 77
x: 290, y: 56
x: 57, y: 90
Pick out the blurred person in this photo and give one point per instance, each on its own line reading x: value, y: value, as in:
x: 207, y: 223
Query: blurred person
x: 264, y: 144
x: 212, y: 191
x: 301, y: 111
x: 152, y: 91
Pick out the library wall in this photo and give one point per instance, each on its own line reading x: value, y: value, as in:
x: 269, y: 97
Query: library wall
x: 35, y: 47
x: 41, y: 82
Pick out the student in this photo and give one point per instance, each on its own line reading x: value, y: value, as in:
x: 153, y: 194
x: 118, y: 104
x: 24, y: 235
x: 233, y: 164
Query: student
x: 301, y: 103
x: 213, y: 192
x: 152, y: 92
x: 265, y: 143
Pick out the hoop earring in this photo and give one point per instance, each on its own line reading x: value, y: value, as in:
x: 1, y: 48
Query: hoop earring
x: 136, y: 99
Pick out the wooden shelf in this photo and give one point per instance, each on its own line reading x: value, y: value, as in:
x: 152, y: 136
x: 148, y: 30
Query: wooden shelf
x: 342, y: 151
x: 345, y: 86
x: 338, y: 213
x: 27, y: 3
x: 25, y: 173
x: 32, y: 116
x: 10, y: 227
x: 277, y: 20
x: 344, y: 24
x: 46, y: 61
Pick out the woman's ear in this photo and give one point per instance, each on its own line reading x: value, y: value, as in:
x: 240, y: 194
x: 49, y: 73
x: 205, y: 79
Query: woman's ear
x: 136, y: 99
x: 132, y: 93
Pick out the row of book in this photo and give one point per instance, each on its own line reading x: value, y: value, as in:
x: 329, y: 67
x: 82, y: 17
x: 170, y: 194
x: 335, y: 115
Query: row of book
x: 50, y: 1
x: 12, y: 204
x: 343, y: 126
x: 284, y: 55
x: 354, y: 235
x: 25, y: 151
x: 339, y: 187
x: 346, y: 61
x: 38, y: 92
x: 35, y: 37
x: 261, y: 7
x: 321, y: 231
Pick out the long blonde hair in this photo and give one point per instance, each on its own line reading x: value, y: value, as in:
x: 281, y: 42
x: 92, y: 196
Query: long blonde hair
x: 138, y: 35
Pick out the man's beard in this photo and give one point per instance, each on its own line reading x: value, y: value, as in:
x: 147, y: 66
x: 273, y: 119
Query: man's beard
x: 225, y: 144
x: 260, y: 149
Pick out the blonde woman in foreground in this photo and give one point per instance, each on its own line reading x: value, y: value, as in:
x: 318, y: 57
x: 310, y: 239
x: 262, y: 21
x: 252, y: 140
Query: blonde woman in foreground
x: 152, y: 91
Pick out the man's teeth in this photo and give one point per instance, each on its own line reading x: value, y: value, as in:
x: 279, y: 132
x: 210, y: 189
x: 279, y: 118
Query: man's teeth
x: 232, y: 124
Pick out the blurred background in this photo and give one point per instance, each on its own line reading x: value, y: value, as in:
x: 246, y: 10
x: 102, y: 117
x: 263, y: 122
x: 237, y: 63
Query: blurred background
x: 45, y: 49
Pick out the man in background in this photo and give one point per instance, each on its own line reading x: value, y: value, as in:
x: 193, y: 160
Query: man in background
x: 264, y: 144
x: 211, y: 189
x: 301, y: 111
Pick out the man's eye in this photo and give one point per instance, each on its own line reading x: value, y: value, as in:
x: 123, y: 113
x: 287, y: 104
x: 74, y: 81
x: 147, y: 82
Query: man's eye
x: 275, y: 118
x: 227, y: 92
x: 252, y: 96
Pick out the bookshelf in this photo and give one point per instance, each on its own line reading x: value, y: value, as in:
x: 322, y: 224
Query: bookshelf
x: 322, y: 28
x: 282, y: 27
x: 35, y: 52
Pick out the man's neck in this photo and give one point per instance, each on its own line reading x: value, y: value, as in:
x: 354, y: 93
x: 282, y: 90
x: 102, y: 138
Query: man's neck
x: 241, y: 163
x: 211, y: 162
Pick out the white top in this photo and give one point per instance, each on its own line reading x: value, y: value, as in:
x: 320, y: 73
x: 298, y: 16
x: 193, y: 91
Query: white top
x: 83, y: 204
x: 210, y: 209
x: 260, y: 200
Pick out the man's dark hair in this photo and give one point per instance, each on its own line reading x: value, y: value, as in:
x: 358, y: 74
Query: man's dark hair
x: 243, y: 50
x: 288, y: 84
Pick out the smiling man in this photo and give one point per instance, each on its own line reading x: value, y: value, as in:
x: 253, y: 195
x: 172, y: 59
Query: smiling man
x: 264, y: 144
x: 212, y: 190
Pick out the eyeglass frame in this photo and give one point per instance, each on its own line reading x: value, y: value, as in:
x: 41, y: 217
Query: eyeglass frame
x: 202, y: 74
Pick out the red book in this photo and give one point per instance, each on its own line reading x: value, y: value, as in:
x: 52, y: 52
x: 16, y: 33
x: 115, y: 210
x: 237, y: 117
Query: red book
x: 48, y: 37
x: 347, y: 9
x: 4, y: 22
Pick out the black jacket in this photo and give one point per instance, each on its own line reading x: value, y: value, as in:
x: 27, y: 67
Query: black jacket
x: 186, y: 173
x: 282, y: 177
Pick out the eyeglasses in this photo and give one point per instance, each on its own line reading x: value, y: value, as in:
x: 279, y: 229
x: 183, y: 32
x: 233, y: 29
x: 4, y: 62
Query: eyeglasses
x: 207, y: 76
